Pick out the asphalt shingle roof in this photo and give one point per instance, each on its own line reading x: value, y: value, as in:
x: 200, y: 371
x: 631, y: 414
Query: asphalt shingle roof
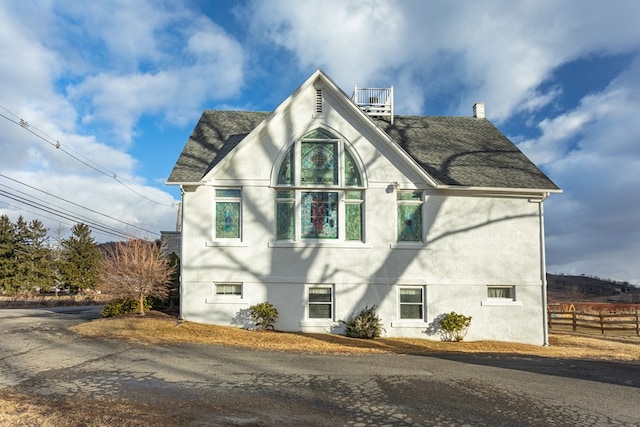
x: 455, y: 151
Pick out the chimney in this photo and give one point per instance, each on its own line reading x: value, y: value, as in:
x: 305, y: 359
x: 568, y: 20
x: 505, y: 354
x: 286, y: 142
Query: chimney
x: 478, y: 110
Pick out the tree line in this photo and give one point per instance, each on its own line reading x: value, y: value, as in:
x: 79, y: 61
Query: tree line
x: 135, y: 269
x: 29, y: 262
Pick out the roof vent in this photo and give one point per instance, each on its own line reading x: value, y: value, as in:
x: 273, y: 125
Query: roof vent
x: 478, y: 110
x: 376, y: 102
x: 318, y: 101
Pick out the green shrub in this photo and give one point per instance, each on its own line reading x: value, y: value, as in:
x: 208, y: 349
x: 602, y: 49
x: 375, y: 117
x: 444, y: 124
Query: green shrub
x: 454, y: 326
x: 366, y: 324
x: 264, y: 315
x: 122, y: 306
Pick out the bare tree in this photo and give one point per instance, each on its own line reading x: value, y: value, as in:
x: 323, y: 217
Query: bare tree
x: 135, y: 269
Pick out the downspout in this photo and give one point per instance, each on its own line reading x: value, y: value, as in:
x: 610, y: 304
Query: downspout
x: 180, y: 221
x: 543, y: 274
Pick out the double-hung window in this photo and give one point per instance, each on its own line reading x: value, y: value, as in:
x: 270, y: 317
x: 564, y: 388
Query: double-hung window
x: 319, y: 191
x: 412, y: 303
x: 228, y: 211
x: 409, y: 219
x: 320, y: 302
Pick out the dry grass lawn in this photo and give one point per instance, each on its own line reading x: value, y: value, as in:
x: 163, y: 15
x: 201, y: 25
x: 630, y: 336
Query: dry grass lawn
x: 17, y: 409
x: 157, y: 328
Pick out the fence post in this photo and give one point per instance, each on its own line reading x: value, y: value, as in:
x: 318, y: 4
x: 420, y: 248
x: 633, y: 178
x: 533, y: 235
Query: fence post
x: 637, y: 324
x: 574, y: 320
x: 601, y: 322
x: 549, y: 317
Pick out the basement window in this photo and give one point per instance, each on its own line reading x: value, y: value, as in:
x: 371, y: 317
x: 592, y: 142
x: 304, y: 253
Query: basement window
x: 501, y: 292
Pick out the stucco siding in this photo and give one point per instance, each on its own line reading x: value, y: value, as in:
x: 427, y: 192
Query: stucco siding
x: 471, y: 243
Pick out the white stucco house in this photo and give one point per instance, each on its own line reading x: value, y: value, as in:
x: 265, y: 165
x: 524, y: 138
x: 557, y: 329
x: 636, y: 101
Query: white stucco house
x: 331, y: 203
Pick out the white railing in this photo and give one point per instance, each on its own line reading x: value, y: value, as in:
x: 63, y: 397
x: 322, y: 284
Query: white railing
x: 376, y: 102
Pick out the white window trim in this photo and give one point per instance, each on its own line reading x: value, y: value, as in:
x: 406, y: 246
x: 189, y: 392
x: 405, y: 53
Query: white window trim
x: 298, y: 188
x: 216, y: 298
x: 501, y: 302
x: 411, y: 244
x: 227, y: 241
x: 401, y: 322
x: 310, y: 321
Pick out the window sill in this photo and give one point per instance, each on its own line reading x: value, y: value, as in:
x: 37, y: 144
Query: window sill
x: 418, y: 323
x: 324, y: 244
x: 225, y: 243
x: 499, y: 302
x: 408, y: 245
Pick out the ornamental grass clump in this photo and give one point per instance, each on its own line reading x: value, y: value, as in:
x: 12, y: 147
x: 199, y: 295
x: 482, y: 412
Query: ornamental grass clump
x: 264, y: 315
x: 366, y: 324
x: 454, y: 326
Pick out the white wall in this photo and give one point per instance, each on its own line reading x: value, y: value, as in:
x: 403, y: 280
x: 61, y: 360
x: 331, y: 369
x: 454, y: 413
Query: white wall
x: 471, y: 241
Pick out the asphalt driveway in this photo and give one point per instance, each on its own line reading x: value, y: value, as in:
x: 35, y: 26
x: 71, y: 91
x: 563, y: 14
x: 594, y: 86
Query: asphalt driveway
x: 214, y: 385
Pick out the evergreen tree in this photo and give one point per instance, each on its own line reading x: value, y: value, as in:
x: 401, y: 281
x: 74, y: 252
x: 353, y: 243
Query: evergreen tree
x: 7, y: 252
x: 79, y: 267
x: 21, y: 255
x: 40, y: 274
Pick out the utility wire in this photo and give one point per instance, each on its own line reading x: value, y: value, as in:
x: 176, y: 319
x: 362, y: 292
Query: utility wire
x: 63, y: 215
x: 74, y: 204
x: 51, y: 208
x: 77, y: 156
x: 58, y: 219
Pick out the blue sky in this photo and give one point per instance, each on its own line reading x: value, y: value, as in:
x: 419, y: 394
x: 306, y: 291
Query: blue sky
x: 120, y: 85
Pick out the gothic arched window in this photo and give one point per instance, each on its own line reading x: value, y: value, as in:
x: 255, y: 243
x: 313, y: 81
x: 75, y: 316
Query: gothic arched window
x: 319, y: 190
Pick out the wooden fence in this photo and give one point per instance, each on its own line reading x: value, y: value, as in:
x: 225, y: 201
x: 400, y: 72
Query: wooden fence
x: 612, y: 322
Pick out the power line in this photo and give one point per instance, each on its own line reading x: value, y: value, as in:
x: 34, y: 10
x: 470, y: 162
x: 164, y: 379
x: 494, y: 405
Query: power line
x: 56, y: 210
x: 77, y: 156
x: 58, y: 213
x: 40, y: 215
x: 74, y: 204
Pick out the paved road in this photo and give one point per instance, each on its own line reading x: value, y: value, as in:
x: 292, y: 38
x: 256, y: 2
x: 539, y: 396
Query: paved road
x: 213, y: 385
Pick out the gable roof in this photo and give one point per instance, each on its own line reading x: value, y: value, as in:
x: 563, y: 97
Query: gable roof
x: 215, y: 135
x: 454, y: 151
x: 465, y: 152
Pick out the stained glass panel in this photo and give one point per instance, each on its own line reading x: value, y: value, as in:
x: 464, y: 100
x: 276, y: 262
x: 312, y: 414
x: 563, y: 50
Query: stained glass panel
x: 351, y: 173
x: 353, y: 213
x: 410, y: 223
x: 228, y: 192
x: 410, y: 195
x: 318, y: 134
x: 319, y: 163
x: 285, y: 174
x: 319, y: 215
x: 353, y: 195
x: 285, y: 221
x: 286, y: 194
x: 228, y: 220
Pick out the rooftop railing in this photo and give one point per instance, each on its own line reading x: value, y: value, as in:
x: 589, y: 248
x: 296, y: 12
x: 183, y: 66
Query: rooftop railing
x: 376, y: 102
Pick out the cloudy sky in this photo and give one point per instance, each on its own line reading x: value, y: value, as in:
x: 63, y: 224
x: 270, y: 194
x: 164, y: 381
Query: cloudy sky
x: 98, y: 98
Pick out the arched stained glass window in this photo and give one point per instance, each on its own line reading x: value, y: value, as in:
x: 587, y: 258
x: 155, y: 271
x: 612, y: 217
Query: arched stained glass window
x: 326, y: 195
x: 319, y: 163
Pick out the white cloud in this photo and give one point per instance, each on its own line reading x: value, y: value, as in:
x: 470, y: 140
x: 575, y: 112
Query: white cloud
x: 593, y: 227
x: 182, y: 60
x: 461, y: 51
x: 36, y: 58
x: 94, y: 76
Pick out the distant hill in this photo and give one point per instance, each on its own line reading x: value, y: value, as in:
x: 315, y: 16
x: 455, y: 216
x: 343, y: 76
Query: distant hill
x: 585, y: 288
